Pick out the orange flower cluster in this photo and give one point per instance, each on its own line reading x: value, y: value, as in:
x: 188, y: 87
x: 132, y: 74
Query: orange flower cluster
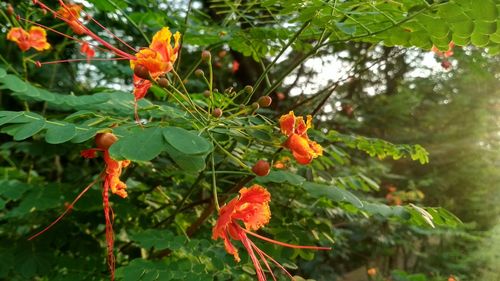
x: 158, y: 60
x: 252, y: 209
x: 36, y: 38
x: 154, y: 61
x: 295, y: 128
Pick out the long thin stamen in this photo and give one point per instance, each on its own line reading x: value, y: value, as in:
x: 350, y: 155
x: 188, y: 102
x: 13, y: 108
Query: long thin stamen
x: 273, y: 260
x: 112, y: 34
x: 258, y: 268
x: 92, y: 34
x: 68, y: 36
x: 77, y: 60
x: 87, y: 31
x: 66, y: 211
x: 285, y: 244
x: 264, y: 260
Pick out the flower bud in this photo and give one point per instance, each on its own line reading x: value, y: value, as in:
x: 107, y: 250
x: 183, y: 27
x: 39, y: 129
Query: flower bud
x: 255, y: 106
x: 10, y: 10
x: 163, y: 82
x: 222, y: 53
x: 141, y: 71
x: 217, y: 112
x: 261, y: 168
x: 105, y: 140
x: 265, y: 101
x: 199, y: 73
x: 248, y: 89
x: 206, y: 93
x: 206, y: 55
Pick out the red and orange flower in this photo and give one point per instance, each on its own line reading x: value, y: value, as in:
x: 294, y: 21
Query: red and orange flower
x: 156, y: 60
x: 295, y: 128
x: 252, y: 209
x: 36, y: 38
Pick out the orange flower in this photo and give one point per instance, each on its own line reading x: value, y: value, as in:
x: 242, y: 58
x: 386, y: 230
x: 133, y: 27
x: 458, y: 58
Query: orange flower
x: 155, y: 60
x: 252, y: 209
x: 158, y: 59
x: 36, y: 38
x: 303, y: 149
x: 71, y: 12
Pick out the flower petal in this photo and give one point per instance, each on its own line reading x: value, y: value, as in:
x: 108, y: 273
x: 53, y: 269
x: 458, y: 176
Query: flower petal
x: 287, y: 123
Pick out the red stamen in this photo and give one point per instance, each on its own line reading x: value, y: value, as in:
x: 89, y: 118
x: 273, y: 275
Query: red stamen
x: 273, y: 260
x: 258, y: 268
x: 67, y: 36
x: 66, y: 211
x: 112, y: 34
x: 77, y: 60
x: 87, y: 31
x: 263, y: 259
x: 285, y: 244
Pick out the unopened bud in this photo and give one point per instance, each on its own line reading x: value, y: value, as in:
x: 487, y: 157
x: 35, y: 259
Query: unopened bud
x: 261, y: 168
x: 255, y: 106
x: 222, y: 53
x: 10, y: 10
x: 248, y: 89
x: 163, y: 82
x: 141, y: 71
x: 206, y: 55
x: 105, y: 140
x: 38, y: 63
x: 206, y: 93
x: 199, y: 73
x: 265, y: 101
x: 217, y: 113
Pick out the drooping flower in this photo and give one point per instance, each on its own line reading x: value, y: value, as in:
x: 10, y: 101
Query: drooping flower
x: 36, y: 38
x: 156, y: 60
x: 252, y: 209
x: 111, y: 182
x: 303, y: 149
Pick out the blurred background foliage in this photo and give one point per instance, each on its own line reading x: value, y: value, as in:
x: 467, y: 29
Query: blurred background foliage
x: 364, y: 67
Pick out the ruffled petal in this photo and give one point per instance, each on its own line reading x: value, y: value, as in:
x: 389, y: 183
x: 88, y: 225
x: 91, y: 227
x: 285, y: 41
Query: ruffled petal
x: 287, y: 123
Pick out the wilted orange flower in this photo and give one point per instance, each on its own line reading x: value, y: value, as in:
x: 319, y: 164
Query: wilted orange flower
x: 111, y: 181
x: 303, y: 149
x: 71, y: 12
x: 252, y: 209
x: 36, y: 38
x: 372, y: 271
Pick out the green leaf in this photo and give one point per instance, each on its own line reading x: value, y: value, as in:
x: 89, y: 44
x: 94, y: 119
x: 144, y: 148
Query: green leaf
x: 281, y: 177
x: 139, y: 145
x: 27, y: 130
x: 193, y: 163
x: 159, y: 239
x: 14, y: 83
x: 60, y: 133
x: 185, y: 141
x: 13, y: 189
x: 333, y: 193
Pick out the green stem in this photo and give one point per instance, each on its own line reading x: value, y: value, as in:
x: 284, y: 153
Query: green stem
x: 214, y: 185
